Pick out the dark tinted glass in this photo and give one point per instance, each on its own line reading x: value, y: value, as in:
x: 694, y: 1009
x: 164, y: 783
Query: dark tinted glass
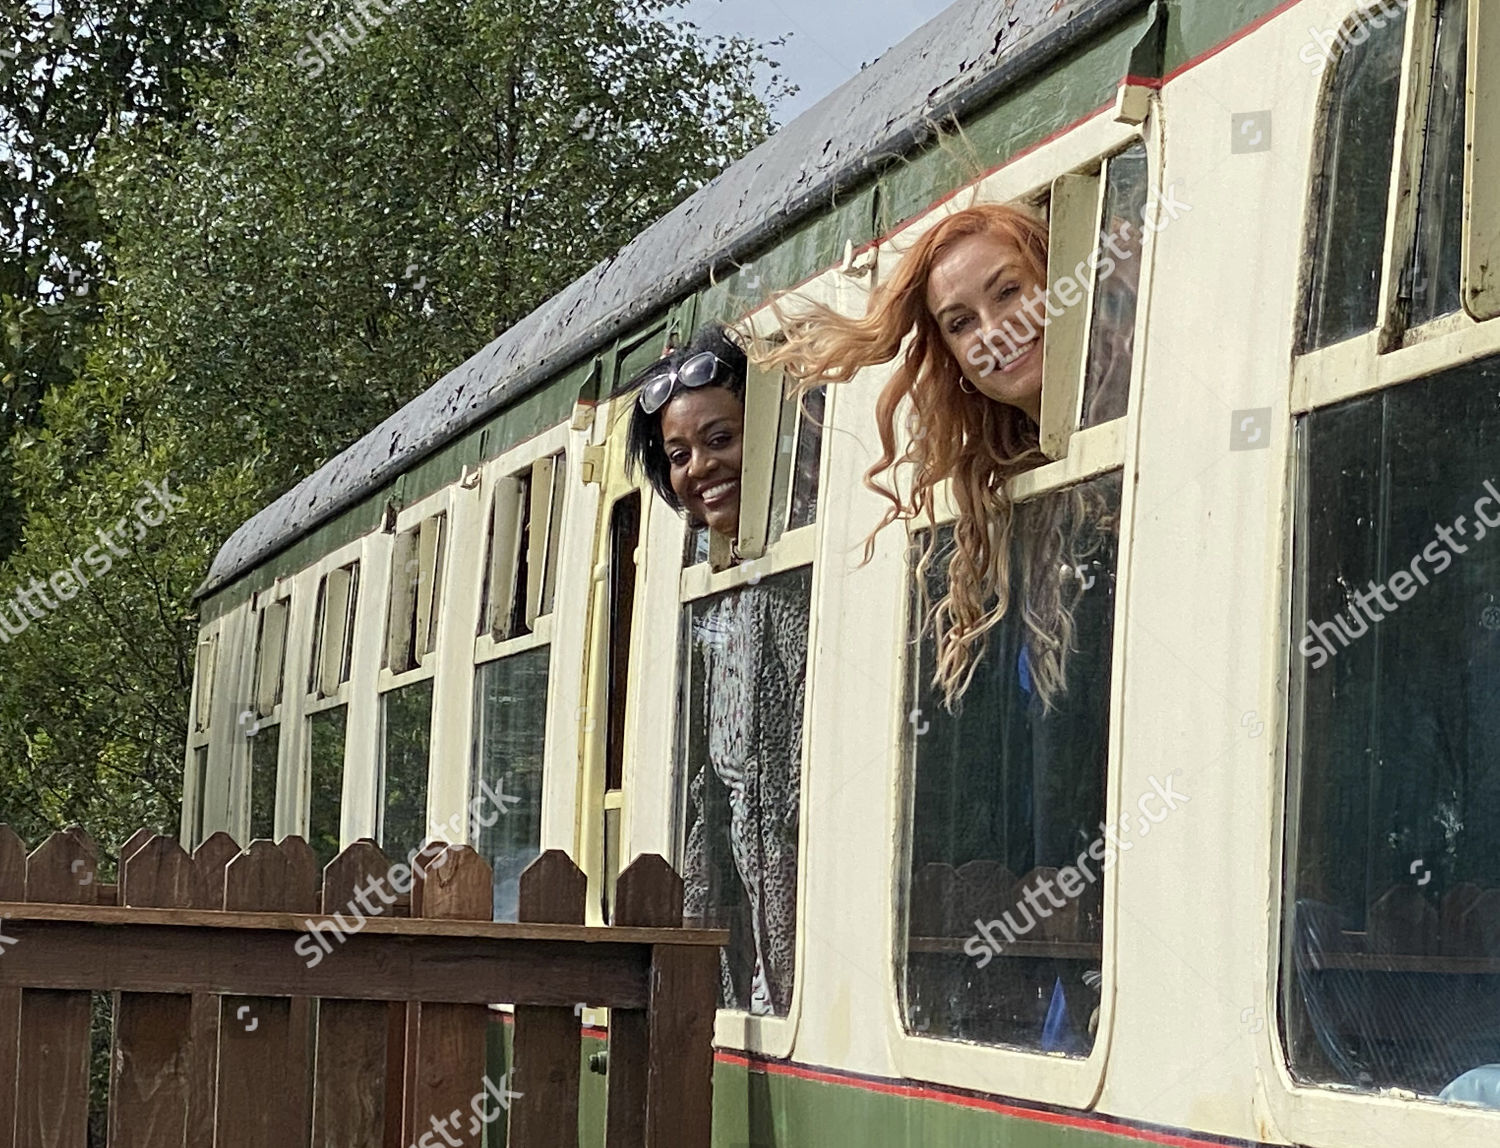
x: 1435, y: 267
x: 1007, y: 847
x: 740, y: 745
x: 265, y: 760
x: 509, y: 743
x: 1106, y: 386
x: 407, y: 728
x: 325, y: 769
x: 1352, y: 188
x: 1392, y: 973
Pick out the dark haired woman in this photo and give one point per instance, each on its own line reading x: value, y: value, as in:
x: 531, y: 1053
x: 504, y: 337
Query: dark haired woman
x: 747, y: 673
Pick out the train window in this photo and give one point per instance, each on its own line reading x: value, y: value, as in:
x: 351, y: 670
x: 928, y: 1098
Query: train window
x: 326, y: 733
x: 1097, y: 223
x: 1007, y: 846
x: 199, y: 782
x: 782, y: 458
x: 1111, y: 346
x: 1435, y: 271
x: 265, y: 764
x: 525, y: 539
x: 1391, y: 969
x: 333, y: 631
x: 416, y: 594
x: 208, y: 664
x: 1352, y: 190
x: 406, y: 739
x: 740, y: 776
x: 270, y: 658
x: 510, y: 740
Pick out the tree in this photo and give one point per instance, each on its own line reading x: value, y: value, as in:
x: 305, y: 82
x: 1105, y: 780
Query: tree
x: 335, y: 225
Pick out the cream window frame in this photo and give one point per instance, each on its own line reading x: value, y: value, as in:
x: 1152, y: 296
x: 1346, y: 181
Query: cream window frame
x: 427, y: 597
x: 1389, y: 356
x: 502, y: 487
x: 1090, y: 453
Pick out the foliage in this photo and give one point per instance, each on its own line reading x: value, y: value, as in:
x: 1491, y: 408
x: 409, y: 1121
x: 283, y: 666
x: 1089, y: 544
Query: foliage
x: 314, y: 243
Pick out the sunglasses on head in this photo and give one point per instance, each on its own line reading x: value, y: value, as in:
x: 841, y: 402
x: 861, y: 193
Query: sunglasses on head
x: 698, y: 371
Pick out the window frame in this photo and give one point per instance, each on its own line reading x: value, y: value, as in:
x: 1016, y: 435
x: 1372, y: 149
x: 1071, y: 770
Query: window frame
x: 281, y: 595
x: 1088, y: 453
x: 1387, y: 357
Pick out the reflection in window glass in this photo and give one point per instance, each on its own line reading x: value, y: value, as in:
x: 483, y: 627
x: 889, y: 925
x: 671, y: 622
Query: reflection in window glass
x: 1004, y: 890
x: 1106, y: 386
x: 509, y: 741
x: 1353, y: 188
x: 1392, y: 974
x: 1440, y: 205
x: 407, y: 727
x: 200, y: 796
x: 265, y: 757
x: 809, y: 458
x: 325, y: 774
x: 741, y: 769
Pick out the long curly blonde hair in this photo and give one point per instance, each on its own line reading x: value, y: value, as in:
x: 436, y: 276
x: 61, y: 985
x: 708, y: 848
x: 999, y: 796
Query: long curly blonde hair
x: 956, y: 434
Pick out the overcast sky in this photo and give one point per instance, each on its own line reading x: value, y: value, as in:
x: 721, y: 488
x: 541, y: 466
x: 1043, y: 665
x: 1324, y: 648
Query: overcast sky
x: 828, y: 41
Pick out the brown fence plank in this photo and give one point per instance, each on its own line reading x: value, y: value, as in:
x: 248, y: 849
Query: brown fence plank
x: 544, y: 1114
x: 680, y: 1079
x: 648, y: 893
x: 259, y: 1053
x: 151, y: 1067
x: 349, y: 1095
x: 405, y: 1084
x: 449, y: 1052
x: 210, y: 860
x: 12, y: 888
x: 52, y: 1079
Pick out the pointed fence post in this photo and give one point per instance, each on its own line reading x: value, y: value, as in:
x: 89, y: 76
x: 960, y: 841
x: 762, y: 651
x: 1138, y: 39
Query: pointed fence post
x: 548, y: 1046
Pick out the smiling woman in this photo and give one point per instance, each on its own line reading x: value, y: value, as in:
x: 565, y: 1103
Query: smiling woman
x: 742, y: 718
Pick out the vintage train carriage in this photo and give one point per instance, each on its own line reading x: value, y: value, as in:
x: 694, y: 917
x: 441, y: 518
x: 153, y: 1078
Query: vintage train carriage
x: 1290, y: 630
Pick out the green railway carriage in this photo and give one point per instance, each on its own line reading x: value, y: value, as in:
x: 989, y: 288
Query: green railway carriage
x: 1287, y: 930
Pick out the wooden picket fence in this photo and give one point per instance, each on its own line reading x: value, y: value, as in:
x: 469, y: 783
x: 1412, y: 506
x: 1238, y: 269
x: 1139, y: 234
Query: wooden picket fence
x: 226, y: 1032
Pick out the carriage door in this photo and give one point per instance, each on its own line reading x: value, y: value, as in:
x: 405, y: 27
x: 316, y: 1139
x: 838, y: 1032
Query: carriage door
x: 603, y: 810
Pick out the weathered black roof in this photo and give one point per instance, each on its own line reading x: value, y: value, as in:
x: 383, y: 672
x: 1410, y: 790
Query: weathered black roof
x: 950, y: 66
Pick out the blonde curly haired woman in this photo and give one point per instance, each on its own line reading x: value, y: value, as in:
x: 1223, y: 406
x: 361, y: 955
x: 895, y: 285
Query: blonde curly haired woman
x: 968, y: 302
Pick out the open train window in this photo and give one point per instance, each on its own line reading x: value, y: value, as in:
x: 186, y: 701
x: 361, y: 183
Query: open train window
x: 416, y: 594
x: 333, y: 631
x: 1006, y: 849
x: 1097, y: 224
x: 512, y: 679
x: 1391, y: 966
x: 261, y: 724
x: 525, y: 540
x: 1406, y: 267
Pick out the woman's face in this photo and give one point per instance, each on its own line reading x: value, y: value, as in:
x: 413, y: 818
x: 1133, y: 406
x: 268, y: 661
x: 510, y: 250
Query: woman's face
x: 703, y: 433
x: 975, y: 294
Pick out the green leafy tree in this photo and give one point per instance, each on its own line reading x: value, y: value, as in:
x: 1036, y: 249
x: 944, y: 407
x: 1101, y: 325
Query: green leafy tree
x: 325, y: 235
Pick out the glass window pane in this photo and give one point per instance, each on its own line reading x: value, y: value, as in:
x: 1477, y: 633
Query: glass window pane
x: 1004, y: 897
x: 1436, y: 262
x: 1352, y: 189
x: 1106, y: 385
x: 809, y: 458
x: 740, y: 744
x: 510, y: 738
x: 265, y: 757
x: 325, y: 770
x: 1392, y: 972
x: 200, y: 795
x: 407, y: 725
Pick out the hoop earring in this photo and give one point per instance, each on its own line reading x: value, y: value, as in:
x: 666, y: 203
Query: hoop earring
x: 967, y: 387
